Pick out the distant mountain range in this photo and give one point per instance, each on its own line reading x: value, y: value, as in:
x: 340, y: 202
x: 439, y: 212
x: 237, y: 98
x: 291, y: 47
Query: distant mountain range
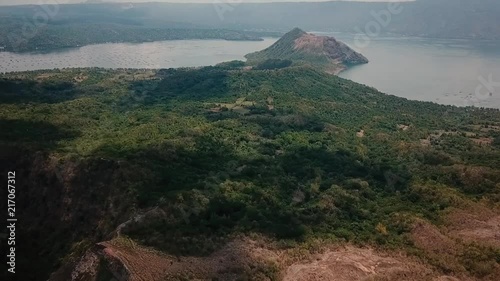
x: 427, y: 18
x: 83, y: 24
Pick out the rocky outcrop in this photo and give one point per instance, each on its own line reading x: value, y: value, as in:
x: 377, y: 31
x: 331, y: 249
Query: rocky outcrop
x: 323, y: 52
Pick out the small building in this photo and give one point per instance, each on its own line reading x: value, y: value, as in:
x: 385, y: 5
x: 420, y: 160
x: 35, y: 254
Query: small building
x: 2, y: 49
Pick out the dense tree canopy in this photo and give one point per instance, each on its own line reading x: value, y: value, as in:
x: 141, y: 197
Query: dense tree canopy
x: 292, y: 153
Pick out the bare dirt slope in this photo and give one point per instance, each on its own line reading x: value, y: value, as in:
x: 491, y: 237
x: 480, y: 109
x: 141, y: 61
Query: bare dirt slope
x: 252, y: 260
x: 440, y: 251
x: 466, y: 245
x: 352, y: 264
x: 479, y: 225
x: 131, y: 262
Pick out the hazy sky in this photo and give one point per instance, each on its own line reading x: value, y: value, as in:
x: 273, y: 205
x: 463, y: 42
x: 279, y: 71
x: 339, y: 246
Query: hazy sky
x: 21, y: 2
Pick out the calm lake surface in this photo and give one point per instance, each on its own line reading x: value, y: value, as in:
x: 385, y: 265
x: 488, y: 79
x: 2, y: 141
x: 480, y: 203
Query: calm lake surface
x: 444, y: 71
x: 456, y: 72
x: 163, y: 54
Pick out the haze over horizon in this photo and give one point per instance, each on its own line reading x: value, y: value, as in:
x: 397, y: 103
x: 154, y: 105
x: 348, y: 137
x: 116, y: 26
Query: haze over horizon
x: 25, y: 2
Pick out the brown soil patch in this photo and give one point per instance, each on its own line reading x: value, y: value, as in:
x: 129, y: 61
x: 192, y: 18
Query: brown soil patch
x: 481, y: 225
x: 240, y: 257
x: 453, y: 248
x: 439, y: 249
x: 139, y: 264
x: 80, y: 78
x: 403, y: 127
x: 248, y: 259
x: 310, y: 42
x: 351, y: 264
x: 428, y: 238
x: 446, y: 278
x: 483, y: 141
x: 425, y: 142
x: 443, y: 249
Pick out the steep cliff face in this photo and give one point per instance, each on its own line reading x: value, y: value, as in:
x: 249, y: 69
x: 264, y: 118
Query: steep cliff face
x: 321, y: 51
x: 63, y: 206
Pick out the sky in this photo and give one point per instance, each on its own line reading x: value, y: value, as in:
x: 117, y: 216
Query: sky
x: 22, y: 2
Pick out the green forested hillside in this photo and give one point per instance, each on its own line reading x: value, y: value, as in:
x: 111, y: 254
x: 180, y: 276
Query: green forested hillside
x: 42, y: 28
x: 291, y: 153
x: 52, y: 37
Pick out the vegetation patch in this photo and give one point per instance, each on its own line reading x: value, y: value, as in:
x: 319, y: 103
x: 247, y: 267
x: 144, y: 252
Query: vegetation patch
x: 297, y: 172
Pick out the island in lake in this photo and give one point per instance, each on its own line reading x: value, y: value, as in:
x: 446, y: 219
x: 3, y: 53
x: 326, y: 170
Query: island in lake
x: 323, y: 52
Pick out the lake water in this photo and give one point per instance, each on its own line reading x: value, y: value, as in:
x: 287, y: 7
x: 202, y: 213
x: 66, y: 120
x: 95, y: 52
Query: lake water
x: 164, y: 54
x: 457, y: 72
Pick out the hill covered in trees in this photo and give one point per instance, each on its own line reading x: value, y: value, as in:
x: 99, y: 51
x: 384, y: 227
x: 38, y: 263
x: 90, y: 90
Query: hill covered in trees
x: 187, y: 160
x: 49, y: 27
x: 323, y: 52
